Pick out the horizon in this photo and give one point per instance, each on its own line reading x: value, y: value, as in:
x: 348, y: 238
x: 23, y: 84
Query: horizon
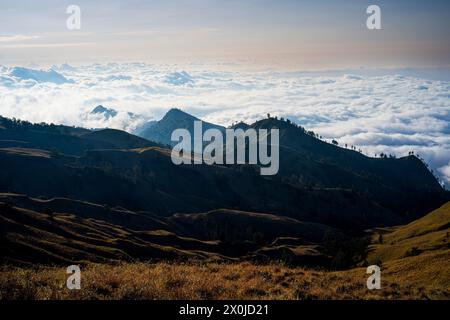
x: 291, y: 34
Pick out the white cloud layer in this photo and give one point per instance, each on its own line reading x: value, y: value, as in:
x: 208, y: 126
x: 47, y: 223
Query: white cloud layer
x: 390, y: 113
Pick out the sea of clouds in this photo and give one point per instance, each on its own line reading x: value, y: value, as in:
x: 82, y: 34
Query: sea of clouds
x: 377, y: 113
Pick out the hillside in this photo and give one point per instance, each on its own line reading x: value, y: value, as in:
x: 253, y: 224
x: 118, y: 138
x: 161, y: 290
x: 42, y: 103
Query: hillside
x: 72, y: 195
x: 158, y: 186
x: 63, y: 139
x: 404, y: 185
x: 317, y: 182
x: 61, y: 230
x: 117, y: 139
x: 232, y: 225
x: 429, y: 234
x: 30, y: 236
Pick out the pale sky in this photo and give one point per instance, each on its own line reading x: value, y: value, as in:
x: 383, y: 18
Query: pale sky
x: 296, y: 34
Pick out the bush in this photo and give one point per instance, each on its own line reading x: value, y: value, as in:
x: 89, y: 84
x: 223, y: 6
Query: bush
x: 414, y: 251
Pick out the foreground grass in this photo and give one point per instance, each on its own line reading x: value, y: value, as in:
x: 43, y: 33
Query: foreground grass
x: 402, y: 279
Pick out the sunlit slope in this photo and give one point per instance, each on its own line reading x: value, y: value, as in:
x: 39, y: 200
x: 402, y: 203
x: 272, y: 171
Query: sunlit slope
x: 429, y: 234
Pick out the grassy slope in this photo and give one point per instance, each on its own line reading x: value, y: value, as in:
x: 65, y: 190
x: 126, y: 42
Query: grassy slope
x: 29, y: 237
x: 423, y: 276
x: 427, y: 234
x: 63, y: 231
x: 229, y: 281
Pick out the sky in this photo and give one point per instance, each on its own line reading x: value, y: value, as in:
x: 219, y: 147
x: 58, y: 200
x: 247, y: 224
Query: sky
x: 293, y: 34
x: 312, y: 61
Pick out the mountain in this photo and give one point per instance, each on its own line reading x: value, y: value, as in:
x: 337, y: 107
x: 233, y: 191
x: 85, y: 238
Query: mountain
x: 317, y: 182
x: 121, y: 196
x: 65, y: 67
x: 39, y: 75
x: 140, y: 129
x: 146, y: 179
x: 161, y: 131
x: 403, y: 185
x: 107, y: 113
x: 179, y: 78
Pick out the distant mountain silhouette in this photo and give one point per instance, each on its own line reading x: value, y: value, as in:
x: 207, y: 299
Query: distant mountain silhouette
x: 161, y: 131
x: 179, y: 78
x: 39, y: 75
x: 107, y: 113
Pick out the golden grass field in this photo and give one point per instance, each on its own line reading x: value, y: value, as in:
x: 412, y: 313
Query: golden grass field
x: 430, y: 233
x: 420, y: 277
x: 414, y: 261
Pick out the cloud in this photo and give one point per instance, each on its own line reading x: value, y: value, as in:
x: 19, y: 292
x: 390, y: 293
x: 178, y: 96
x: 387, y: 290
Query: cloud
x: 445, y: 171
x: 378, y: 113
x: 17, y: 37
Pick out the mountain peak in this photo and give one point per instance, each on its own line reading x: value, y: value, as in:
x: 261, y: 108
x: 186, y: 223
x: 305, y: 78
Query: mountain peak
x: 99, y: 109
x: 177, y: 113
x: 106, y: 112
x: 175, y: 118
x: 39, y: 75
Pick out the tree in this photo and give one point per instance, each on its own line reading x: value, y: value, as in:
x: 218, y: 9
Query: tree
x: 380, y: 238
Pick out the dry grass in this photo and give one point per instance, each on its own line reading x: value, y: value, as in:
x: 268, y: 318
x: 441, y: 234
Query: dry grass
x: 401, y: 279
x: 430, y: 233
x: 27, y: 152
